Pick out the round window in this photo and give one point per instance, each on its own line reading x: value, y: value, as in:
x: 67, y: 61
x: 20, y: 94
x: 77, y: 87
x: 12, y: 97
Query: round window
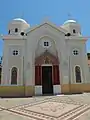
x: 16, y: 30
x: 22, y: 33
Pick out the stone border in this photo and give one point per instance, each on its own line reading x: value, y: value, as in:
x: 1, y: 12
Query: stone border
x: 71, y: 114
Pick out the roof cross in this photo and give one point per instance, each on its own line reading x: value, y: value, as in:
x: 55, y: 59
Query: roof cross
x: 69, y: 16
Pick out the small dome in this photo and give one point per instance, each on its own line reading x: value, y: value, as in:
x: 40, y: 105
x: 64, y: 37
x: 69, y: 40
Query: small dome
x: 17, y: 26
x: 20, y: 20
x: 69, y: 21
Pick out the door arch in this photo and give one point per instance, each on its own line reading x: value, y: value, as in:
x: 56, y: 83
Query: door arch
x: 47, y: 59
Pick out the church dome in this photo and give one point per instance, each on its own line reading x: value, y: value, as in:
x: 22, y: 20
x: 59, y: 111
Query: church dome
x: 69, y: 21
x: 17, y: 26
x: 72, y: 27
x: 20, y: 20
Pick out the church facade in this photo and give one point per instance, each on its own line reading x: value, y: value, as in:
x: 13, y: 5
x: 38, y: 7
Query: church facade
x: 45, y: 59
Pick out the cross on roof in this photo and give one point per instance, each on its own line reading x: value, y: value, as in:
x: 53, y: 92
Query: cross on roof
x: 46, y: 19
x: 69, y: 16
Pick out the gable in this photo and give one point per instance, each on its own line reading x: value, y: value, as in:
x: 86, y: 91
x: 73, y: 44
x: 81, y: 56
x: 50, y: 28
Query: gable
x: 46, y: 24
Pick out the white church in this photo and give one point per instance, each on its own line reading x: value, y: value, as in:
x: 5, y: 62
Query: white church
x: 43, y: 60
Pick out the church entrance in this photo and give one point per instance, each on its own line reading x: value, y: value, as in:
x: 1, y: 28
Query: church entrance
x: 47, y: 77
x: 47, y: 86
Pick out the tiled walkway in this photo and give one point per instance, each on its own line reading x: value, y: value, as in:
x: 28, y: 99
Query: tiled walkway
x: 63, y: 107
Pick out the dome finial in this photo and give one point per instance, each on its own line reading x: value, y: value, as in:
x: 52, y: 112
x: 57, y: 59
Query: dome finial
x: 70, y: 19
x: 69, y: 16
x: 46, y: 19
x: 22, y: 15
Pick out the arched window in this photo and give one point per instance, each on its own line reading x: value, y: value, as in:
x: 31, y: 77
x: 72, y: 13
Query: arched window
x: 74, y: 31
x: 16, y: 29
x: 9, y: 32
x: 14, y: 75
x: 78, y: 74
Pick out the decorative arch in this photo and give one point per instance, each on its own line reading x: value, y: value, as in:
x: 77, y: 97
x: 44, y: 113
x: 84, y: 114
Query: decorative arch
x: 14, y: 73
x: 47, y: 37
x: 47, y: 58
x: 78, y: 74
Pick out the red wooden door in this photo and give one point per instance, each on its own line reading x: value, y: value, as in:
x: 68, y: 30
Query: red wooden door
x: 38, y: 75
x: 56, y: 78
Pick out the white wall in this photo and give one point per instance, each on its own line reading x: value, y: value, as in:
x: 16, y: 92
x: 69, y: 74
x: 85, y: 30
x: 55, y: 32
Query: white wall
x: 10, y: 61
x: 80, y: 60
x: 32, y: 41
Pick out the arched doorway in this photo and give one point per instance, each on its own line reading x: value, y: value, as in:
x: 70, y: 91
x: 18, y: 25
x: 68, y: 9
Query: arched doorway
x: 47, y: 72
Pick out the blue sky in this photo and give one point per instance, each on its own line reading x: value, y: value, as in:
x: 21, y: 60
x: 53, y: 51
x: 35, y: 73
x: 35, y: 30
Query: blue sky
x: 35, y: 11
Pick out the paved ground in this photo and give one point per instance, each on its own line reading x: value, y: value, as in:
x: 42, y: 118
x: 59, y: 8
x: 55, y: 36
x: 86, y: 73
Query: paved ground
x: 63, y: 107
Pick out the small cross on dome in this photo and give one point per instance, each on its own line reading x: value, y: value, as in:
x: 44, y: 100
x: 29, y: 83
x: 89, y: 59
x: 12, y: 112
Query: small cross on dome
x: 69, y: 16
